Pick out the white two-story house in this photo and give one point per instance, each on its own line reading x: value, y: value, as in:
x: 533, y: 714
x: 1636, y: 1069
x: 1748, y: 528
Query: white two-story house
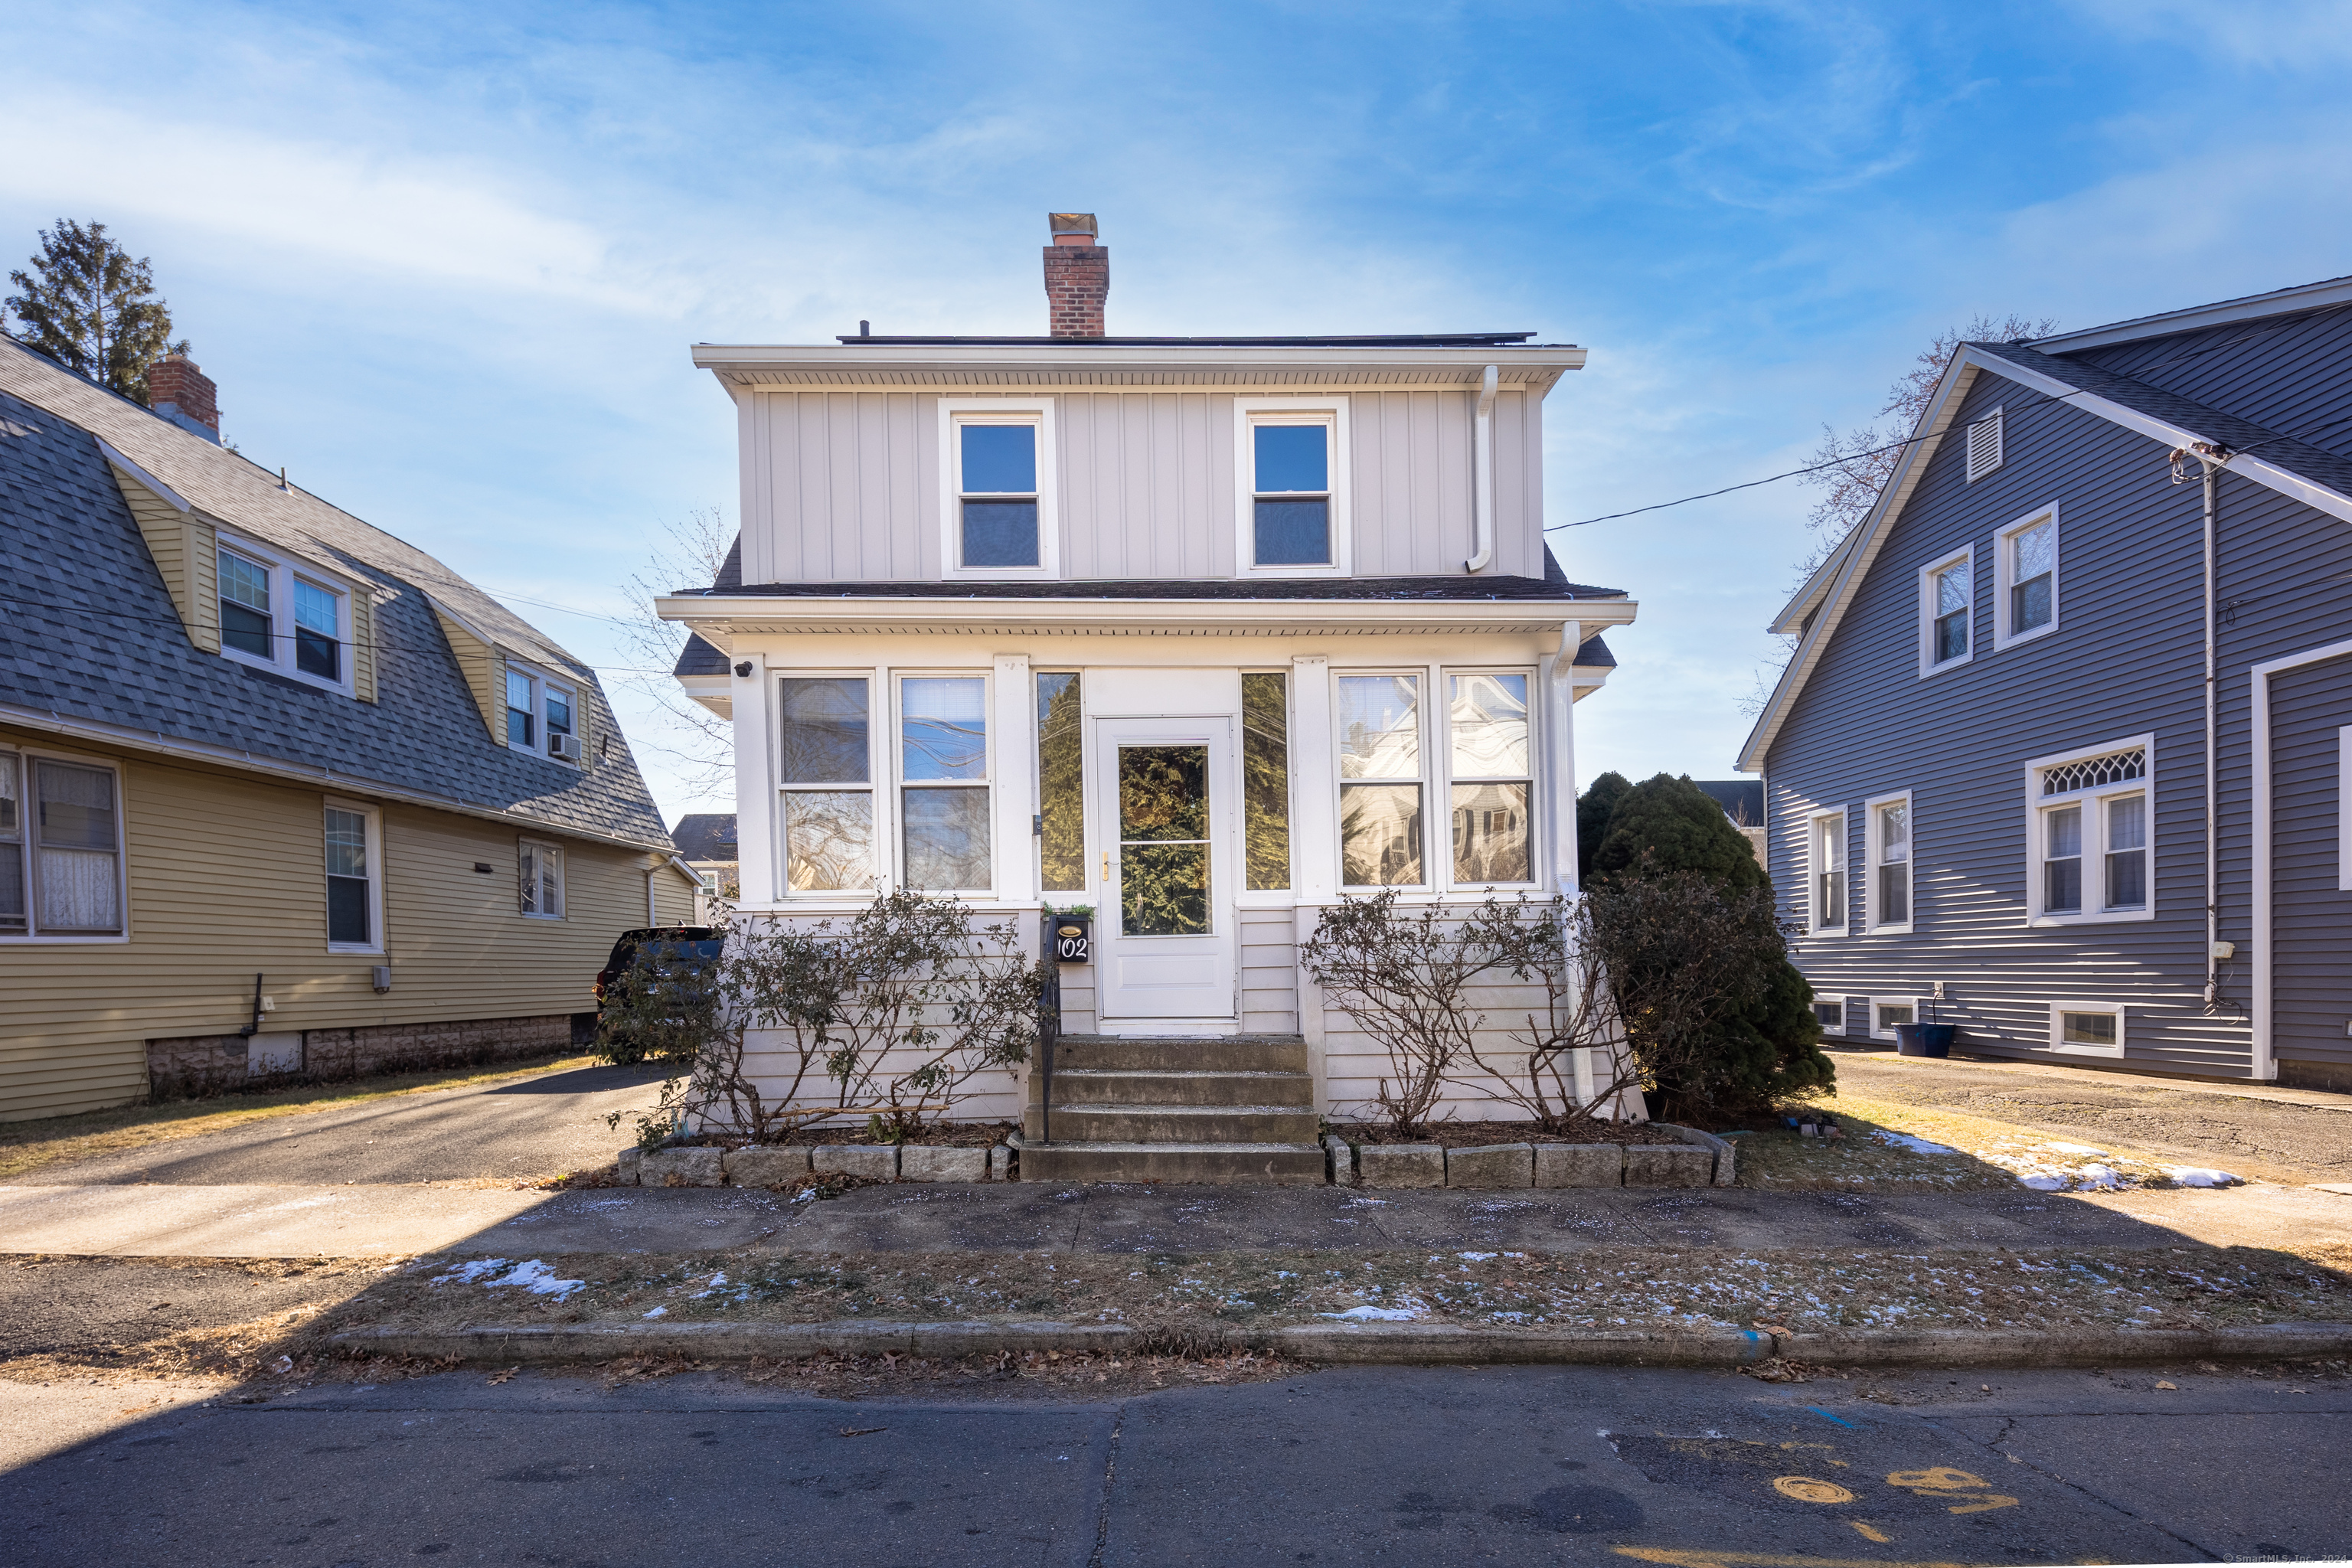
x: 1203, y: 633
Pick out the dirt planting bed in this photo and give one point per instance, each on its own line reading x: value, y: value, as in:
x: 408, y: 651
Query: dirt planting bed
x: 1486, y: 1134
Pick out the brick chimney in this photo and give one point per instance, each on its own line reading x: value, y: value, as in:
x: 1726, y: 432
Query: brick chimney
x: 183, y: 393
x: 1078, y: 276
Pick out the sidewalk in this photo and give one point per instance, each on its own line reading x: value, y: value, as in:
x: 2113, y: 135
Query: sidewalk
x: 289, y: 1221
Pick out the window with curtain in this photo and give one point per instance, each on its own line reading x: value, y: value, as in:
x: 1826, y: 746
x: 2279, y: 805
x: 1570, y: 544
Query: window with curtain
x: 13, y: 916
x: 543, y: 880
x: 1381, y: 781
x: 1061, y: 785
x: 2126, y: 851
x: 943, y: 797
x: 1491, y: 783
x: 2061, y: 860
x: 2089, y: 854
x: 78, y: 851
x: 1265, y: 779
x: 827, y: 771
x: 349, y: 919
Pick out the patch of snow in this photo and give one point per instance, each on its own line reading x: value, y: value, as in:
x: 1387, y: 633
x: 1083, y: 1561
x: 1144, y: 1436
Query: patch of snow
x: 1916, y: 1145
x: 1372, y: 1315
x: 2099, y: 1178
x: 1367, y: 1203
x: 2192, y: 1176
x: 1475, y: 1256
x: 2044, y: 1182
x: 540, y: 1279
x: 658, y: 1312
x: 467, y: 1273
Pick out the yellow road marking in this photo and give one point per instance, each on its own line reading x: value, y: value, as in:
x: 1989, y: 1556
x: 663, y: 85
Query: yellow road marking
x: 1870, y: 1534
x: 1985, y: 1505
x: 1942, y: 1479
x: 1673, y: 1557
x: 1804, y: 1488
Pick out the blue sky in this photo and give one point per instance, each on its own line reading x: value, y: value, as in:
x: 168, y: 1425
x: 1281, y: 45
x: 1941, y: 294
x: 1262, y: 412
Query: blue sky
x: 445, y: 261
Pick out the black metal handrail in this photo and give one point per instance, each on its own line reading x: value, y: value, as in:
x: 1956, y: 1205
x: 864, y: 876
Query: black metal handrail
x: 1049, y: 1027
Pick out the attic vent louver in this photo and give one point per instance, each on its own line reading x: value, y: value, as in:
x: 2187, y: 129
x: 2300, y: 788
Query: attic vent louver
x: 1984, y: 446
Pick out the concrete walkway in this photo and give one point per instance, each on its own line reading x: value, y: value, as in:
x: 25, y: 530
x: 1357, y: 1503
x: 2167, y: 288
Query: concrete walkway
x: 261, y: 1221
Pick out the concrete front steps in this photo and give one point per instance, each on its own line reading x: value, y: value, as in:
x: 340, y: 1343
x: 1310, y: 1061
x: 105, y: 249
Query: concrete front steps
x: 1237, y: 1109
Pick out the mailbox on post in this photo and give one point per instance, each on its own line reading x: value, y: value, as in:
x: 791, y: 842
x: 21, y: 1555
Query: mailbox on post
x: 1073, y: 938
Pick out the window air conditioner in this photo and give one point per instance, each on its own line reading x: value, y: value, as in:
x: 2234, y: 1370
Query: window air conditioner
x: 562, y: 746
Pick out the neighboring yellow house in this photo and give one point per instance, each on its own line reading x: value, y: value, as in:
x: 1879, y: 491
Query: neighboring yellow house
x: 279, y: 794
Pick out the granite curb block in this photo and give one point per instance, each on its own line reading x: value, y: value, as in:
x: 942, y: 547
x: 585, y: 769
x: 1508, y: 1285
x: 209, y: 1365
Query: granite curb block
x: 1393, y: 1345
x: 1727, y: 1154
x: 684, y: 1165
x: 1342, y: 1164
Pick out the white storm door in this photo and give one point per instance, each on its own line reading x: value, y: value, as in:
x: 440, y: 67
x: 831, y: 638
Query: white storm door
x: 1166, y: 930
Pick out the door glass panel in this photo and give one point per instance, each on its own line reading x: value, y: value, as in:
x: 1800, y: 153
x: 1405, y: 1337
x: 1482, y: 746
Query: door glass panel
x: 1163, y: 834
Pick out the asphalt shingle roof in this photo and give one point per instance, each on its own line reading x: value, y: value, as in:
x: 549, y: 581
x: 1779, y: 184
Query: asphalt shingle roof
x: 87, y: 629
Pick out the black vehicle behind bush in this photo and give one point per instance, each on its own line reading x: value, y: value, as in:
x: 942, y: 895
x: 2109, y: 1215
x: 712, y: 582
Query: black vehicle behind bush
x: 666, y: 958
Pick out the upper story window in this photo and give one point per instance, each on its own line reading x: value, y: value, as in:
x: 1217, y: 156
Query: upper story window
x: 2093, y: 813
x: 1292, y: 493
x: 827, y: 774
x: 996, y: 502
x: 1825, y: 847
x: 1890, y: 860
x: 542, y: 715
x: 2025, y: 600
x: 944, y: 785
x: 282, y: 615
x: 1947, y: 612
x: 61, y: 848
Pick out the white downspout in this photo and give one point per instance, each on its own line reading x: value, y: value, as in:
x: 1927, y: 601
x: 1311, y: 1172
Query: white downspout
x: 1482, y: 462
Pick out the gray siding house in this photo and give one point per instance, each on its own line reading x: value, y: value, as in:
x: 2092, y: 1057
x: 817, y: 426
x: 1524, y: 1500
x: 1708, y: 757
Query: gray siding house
x: 2060, y: 757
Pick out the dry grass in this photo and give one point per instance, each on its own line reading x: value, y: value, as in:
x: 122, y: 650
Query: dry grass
x: 28, y: 1146
x: 1986, y: 1155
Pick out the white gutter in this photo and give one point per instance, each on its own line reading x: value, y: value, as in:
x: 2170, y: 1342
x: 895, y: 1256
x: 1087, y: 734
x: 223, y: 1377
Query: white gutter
x: 721, y: 618
x: 1482, y: 504
x: 2264, y: 1065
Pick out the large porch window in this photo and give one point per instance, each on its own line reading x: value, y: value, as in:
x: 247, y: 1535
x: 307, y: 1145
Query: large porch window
x: 827, y: 775
x: 1494, y: 777
x: 943, y: 774
x: 1482, y: 766
x: 1381, y: 781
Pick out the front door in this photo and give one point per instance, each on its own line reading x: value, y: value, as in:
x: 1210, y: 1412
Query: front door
x: 1167, y: 927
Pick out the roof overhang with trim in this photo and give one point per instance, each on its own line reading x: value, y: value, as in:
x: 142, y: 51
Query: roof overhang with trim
x: 1831, y: 589
x: 751, y: 367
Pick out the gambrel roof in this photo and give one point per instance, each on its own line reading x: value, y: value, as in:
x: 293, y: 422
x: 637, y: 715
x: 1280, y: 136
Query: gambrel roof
x: 2287, y: 464
x: 94, y: 640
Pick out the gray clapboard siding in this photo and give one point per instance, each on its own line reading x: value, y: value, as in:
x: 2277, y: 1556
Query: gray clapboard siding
x: 2312, y: 966
x: 1269, y: 972
x: 2125, y: 661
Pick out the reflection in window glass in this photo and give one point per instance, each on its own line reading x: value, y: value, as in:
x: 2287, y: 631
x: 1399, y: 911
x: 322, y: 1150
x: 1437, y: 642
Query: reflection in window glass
x: 77, y: 874
x: 824, y: 731
x: 1894, y: 864
x: 1060, y: 785
x: 318, y: 631
x: 1829, y: 872
x: 1486, y: 716
x: 1265, y: 779
x: 520, y: 720
x: 347, y: 878
x: 12, y: 846
x: 1380, y: 834
x: 1489, y: 715
x: 1380, y: 738
x: 1379, y: 726
x: 823, y: 740
x: 828, y: 841
x: 2128, y: 852
x: 1163, y: 833
x: 947, y: 839
x: 1292, y: 484
x: 558, y: 713
x: 944, y: 736
x: 2033, y: 560
x: 245, y: 605
x: 2062, y: 862
x: 542, y: 867
x: 1952, y: 592
x: 2087, y: 1028
x: 943, y: 725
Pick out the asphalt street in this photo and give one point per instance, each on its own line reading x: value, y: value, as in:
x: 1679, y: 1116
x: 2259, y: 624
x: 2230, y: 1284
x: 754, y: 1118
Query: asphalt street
x: 2255, y: 1130
x: 1495, y: 1464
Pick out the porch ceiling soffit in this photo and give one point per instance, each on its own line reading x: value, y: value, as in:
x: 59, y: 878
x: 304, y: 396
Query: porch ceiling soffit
x: 2101, y: 393
x: 720, y: 621
x: 822, y: 368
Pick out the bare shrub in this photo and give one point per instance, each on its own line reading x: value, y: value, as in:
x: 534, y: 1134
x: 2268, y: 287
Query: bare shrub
x: 892, y: 1014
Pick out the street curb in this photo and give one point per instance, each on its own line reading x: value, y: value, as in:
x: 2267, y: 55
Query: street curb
x: 1370, y: 1344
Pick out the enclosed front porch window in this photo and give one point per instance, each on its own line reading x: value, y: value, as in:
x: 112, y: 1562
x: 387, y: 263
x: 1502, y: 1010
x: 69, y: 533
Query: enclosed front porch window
x: 1380, y: 772
x: 827, y: 771
x: 1493, y: 780
x: 943, y: 774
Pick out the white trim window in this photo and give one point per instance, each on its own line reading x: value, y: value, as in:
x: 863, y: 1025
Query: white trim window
x: 2087, y: 1028
x: 287, y: 616
x: 541, y: 865
x: 354, y: 877
x: 1948, y: 612
x: 1984, y: 446
x: 997, y: 512
x: 2025, y: 573
x: 543, y: 714
x: 945, y: 834
x: 1825, y: 873
x: 824, y: 768
x: 1490, y: 777
x: 1290, y: 468
x: 61, y: 861
x: 1888, y: 1011
x: 1886, y: 833
x: 2090, y: 816
x: 1382, y: 780
x: 1831, y: 1015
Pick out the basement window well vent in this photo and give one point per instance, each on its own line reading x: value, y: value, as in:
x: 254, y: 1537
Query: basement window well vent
x: 1984, y: 446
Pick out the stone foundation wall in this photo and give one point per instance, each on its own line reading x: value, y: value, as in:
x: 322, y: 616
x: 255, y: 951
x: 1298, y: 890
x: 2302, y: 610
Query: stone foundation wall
x: 213, y: 1063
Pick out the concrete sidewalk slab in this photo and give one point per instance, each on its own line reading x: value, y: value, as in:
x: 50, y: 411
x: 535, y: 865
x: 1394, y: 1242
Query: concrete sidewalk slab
x: 248, y: 1221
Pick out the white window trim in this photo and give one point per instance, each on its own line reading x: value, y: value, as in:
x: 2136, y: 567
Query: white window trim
x: 1999, y: 446
x: 1927, y: 574
x: 877, y: 767
x: 993, y: 743
x: 1246, y: 410
x: 1813, y: 872
x: 283, y: 569
x: 2002, y: 637
x: 2095, y: 832
x: 1870, y: 836
x: 1244, y: 896
x: 2343, y: 809
x: 1838, y: 1002
x: 26, y: 845
x: 2060, y: 1045
x: 1442, y: 765
x: 1039, y: 411
x: 1429, y: 885
x: 374, y: 816
x: 541, y: 679
x: 1916, y: 1003
x: 562, y: 879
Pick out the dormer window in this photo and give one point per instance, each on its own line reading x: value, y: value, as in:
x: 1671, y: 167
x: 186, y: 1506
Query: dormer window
x: 283, y: 616
x: 539, y: 715
x: 997, y: 473
x: 1292, y: 494
x: 522, y: 721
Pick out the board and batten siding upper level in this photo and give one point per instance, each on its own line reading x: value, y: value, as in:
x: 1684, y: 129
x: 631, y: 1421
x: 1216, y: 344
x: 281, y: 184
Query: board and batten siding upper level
x: 844, y: 486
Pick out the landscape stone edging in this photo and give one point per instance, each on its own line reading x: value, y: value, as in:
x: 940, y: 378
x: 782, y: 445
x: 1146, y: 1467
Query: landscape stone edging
x: 699, y: 1166
x: 1727, y: 1154
x: 1409, y: 1164
x: 1372, y: 1343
